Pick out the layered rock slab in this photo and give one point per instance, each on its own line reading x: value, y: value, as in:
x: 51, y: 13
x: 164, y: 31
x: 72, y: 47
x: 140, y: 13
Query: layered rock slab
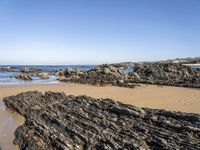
x: 168, y: 74
x: 101, y: 75
x: 56, y: 121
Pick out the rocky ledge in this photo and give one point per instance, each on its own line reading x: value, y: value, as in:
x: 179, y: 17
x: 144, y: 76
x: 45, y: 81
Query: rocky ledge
x: 101, y: 75
x: 56, y: 121
x: 149, y: 73
x: 23, y: 70
x: 24, y: 77
x: 168, y: 74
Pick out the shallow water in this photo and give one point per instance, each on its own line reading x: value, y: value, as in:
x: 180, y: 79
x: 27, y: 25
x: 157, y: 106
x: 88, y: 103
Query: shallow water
x: 196, y: 67
x: 8, y: 78
x: 9, y: 121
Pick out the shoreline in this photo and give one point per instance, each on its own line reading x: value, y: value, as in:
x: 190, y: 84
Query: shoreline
x: 150, y: 96
x: 10, y: 121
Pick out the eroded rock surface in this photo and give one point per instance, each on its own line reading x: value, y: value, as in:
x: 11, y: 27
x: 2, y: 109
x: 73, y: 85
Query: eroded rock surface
x: 101, y: 75
x: 172, y: 74
x: 24, y: 77
x: 44, y: 75
x: 168, y: 74
x: 56, y: 121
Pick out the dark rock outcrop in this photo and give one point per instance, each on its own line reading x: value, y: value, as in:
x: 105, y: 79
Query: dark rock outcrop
x: 149, y: 73
x: 24, y: 70
x: 56, y: 121
x: 101, y: 75
x: 23, y: 77
x: 168, y: 74
x: 8, y: 69
x: 30, y: 70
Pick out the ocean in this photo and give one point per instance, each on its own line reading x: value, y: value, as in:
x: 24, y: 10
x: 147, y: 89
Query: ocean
x: 8, y: 78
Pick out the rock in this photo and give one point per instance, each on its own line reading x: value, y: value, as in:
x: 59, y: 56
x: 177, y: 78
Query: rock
x: 30, y: 70
x: 71, y: 72
x: 61, y: 78
x: 56, y: 121
x: 101, y: 75
x: 148, y: 73
x: 8, y: 69
x: 44, y: 75
x: 24, y: 70
x: 60, y: 73
x: 168, y: 74
x: 23, y: 77
x: 134, y: 75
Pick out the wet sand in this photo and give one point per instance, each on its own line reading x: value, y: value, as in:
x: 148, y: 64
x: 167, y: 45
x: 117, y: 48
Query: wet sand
x: 152, y: 96
x: 9, y: 121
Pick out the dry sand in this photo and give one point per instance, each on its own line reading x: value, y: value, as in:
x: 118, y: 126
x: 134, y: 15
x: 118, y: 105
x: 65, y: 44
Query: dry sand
x: 165, y: 97
x: 170, y: 98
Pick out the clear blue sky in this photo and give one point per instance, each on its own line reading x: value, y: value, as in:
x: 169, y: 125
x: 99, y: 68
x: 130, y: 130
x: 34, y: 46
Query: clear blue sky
x: 97, y: 31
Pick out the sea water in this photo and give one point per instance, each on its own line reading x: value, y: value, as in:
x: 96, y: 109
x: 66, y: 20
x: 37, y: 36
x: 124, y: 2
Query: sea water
x: 8, y: 78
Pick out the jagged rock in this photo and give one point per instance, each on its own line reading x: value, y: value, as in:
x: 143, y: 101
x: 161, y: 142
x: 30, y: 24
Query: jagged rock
x: 134, y: 75
x: 60, y: 73
x: 149, y: 73
x: 69, y: 72
x: 23, y: 77
x: 24, y: 70
x: 30, y: 70
x: 101, y: 75
x: 56, y: 121
x: 168, y: 74
x: 8, y: 69
x: 44, y: 75
x: 61, y: 78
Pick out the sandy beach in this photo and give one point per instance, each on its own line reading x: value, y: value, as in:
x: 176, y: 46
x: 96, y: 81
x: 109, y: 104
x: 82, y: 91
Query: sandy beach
x: 151, y: 96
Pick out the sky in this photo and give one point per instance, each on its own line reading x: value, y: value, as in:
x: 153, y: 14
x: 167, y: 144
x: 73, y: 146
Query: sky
x: 55, y: 32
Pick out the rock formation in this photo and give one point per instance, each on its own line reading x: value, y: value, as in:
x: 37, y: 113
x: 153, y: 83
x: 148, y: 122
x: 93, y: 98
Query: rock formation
x: 23, y: 77
x: 24, y: 70
x: 59, y: 73
x: 168, y: 74
x: 55, y: 121
x: 149, y: 73
x: 44, y: 75
x: 101, y: 75
x: 30, y: 70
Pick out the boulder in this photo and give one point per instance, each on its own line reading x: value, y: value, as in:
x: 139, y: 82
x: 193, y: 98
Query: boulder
x: 60, y: 73
x: 44, y: 75
x: 61, y: 78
